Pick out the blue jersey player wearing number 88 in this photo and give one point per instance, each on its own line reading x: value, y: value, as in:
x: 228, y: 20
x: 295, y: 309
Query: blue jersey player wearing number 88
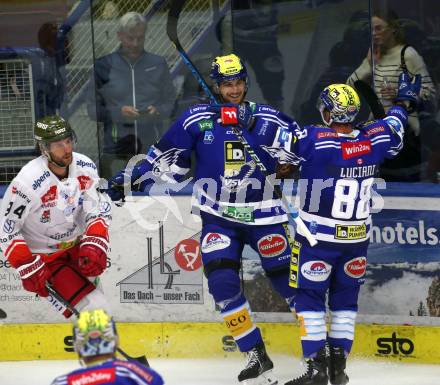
x: 338, y: 164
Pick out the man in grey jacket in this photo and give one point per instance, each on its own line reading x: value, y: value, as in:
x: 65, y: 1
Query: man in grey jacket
x: 134, y: 94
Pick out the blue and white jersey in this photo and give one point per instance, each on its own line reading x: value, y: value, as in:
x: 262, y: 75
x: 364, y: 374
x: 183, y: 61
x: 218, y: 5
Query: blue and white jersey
x: 112, y: 372
x: 337, y: 174
x: 228, y: 184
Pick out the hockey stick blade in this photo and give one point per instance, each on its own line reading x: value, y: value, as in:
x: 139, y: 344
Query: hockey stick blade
x: 141, y: 359
x: 173, y: 16
x: 371, y: 98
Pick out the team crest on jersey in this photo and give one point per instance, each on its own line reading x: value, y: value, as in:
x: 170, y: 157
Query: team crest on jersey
x: 162, y: 164
x: 50, y: 197
x: 85, y: 182
x: 215, y: 241
x: 282, y: 155
x: 355, y: 149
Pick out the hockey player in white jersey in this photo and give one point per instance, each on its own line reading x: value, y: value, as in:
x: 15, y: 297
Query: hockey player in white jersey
x: 54, y: 222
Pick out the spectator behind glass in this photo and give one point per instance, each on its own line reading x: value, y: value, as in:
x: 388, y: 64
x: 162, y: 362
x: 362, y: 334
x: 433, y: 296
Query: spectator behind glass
x: 388, y: 46
x: 49, y: 77
x: 256, y: 40
x: 134, y: 94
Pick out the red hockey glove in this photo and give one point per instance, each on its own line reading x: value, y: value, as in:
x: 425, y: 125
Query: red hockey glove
x: 34, y: 276
x: 92, y: 258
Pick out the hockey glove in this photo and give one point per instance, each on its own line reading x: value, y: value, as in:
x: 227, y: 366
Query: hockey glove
x: 34, y: 276
x: 128, y: 180
x: 234, y: 114
x: 92, y: 259
x: 408, y: 91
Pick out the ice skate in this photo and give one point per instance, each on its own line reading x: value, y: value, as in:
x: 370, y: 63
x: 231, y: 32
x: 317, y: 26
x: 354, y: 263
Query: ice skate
x: 258, y: 370
x: 316, y: 371
x: 336, y: 369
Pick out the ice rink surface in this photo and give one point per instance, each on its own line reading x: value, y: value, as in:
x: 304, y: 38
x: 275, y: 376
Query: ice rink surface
x: 223, y: 371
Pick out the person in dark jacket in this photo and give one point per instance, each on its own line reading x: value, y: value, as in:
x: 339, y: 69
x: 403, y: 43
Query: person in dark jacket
x: 134, y: 94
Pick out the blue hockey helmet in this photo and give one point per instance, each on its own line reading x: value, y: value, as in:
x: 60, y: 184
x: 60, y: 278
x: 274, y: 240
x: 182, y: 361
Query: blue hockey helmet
x: 342, y: 101
x: 228, y: 67
x: 94, y: 334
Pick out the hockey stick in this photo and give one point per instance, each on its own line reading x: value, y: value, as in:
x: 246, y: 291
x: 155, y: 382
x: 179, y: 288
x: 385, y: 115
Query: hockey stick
x: 173, y: 16
x: 371, y: 98
x: 141, y: 359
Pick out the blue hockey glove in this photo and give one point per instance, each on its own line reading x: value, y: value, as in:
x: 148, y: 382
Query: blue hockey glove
x: 115, y: 189
x: 408, y: 91
x: 126, y: 180
x: 234, y: 114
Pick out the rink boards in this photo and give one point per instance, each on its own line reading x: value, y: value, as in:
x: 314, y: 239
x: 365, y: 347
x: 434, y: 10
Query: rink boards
x: 209, y: 340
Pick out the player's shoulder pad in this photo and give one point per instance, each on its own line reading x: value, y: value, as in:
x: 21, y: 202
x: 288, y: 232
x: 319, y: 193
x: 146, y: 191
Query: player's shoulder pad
x: 197, y: 116
x: 263, y: 109
x: 84, y: 162
x: 33, y: 173
x: 197, y: 109
x: 371, y: 128
x: 147, y: 374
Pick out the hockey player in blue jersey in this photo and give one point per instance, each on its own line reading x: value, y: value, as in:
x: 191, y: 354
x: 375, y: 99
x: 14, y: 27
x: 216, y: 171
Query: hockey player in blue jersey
x: 235, y: 206
x: 95, y: 340
x: 338, y: 166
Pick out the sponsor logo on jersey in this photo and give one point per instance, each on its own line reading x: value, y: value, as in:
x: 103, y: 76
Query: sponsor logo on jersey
x: 215, y: 241
x: 269, y: 109
x: 66, y: 234
x: 294, y: 263
x: 45, y: 216
x: 355, y: 149
x: 235, y: 157
x: 37, y: 182
x: 272, y: 245
x: 356, y: 267
x: 351, y: 232
x: 82, y: 163
x: 374, y: 130
x: 21, y: 194
x: 85, y: 182
x: 205, y: 125
x: 316, y: 271
x: 263, y: 128
x: 195, y: 109
x: 326, y: 134
x: 49, y: 198
x: 238, y: 322
x: 208, y: 138
x: 244, y: 214
x: 9, y: 226
x: 95, y: 377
